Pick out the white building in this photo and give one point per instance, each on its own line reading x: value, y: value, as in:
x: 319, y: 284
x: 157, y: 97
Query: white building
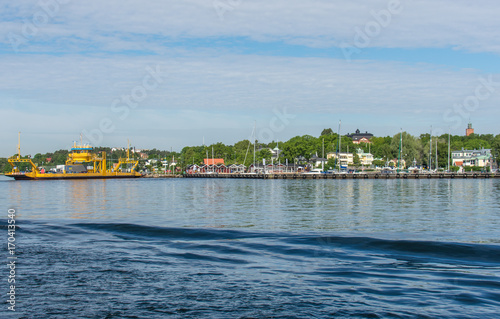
x: 317, y: 161
x: 479, y: 158
x: 397, y: 163
x: 345, y: 158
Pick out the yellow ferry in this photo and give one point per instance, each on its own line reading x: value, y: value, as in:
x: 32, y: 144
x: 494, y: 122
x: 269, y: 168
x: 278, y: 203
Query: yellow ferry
x: 80, y: 164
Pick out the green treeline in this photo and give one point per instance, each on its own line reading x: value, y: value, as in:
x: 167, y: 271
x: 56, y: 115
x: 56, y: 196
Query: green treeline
x: 384, y: 148
x: 306, y: 146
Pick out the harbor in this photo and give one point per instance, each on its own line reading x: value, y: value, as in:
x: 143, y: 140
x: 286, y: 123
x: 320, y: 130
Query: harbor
x: 367, y: 175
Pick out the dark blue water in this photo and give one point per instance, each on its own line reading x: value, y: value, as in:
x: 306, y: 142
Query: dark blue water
x: 255, y: 248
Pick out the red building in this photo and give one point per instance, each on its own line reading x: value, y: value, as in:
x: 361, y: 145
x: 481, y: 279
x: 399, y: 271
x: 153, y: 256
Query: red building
x: 469, y: 130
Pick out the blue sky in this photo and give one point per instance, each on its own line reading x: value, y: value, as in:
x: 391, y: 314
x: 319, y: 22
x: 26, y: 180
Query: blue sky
x: 168, y: 74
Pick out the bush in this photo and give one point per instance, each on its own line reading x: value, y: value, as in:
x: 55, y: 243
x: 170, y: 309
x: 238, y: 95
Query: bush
x: 476, y: 169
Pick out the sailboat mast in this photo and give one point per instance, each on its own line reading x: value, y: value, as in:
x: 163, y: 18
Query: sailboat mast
x: 437, y: 164
x: 430, y: 151
x: 400, y: 148
x: 449, y: 146
x: 254, y: 142
x: 323, y: 157
x: 340, y: 141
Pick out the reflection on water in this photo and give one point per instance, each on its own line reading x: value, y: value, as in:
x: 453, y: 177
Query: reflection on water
x: 462, y: 210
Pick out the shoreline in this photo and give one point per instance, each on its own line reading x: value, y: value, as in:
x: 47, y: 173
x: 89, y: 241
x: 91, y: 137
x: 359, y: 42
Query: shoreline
x: 368, y: 175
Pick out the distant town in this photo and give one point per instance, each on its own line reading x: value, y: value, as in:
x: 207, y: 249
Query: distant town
x: 354, y: 151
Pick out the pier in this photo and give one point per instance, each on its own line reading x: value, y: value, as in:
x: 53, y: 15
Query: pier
x: 156, y: 175
x: 367, y: 175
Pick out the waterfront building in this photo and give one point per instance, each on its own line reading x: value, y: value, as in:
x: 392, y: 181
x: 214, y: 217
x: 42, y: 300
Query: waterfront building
x: 394, y: 163
x: 366, y: 159
x: 317, y: 161
x: 359, y: 137
x: 237, y: 168
x: 275, y: 168
x: 214, y: 168
x: 275, y: 152
x: 345, y: 158
x: 481, y: 158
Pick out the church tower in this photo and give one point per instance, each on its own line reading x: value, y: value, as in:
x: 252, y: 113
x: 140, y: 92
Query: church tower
x: 469, y: 130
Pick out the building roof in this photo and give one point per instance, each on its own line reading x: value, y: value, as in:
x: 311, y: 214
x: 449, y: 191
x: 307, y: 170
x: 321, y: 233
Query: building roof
x: 358, y: 135
x: 210, y: 161
x: 482, y: 157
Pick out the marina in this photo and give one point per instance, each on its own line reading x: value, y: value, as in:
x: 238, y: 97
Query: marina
x: 367, y: 175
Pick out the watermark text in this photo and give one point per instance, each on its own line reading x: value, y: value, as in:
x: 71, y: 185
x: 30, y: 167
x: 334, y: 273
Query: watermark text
x: 11, y: 259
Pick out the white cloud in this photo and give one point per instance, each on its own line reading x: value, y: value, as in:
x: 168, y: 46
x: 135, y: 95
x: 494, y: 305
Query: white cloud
x: 219, y: 95
x: 151, y: 25
x: 234, y: 82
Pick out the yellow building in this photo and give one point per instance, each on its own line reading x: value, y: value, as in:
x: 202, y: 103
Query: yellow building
x: 366, y: 159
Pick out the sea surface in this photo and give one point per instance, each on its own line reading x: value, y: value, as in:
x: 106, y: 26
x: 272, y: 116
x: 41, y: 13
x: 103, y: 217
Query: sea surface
x: 222, y: 248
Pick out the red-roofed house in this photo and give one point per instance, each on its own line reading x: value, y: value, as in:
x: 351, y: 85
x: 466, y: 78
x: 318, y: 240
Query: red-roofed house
x: 215, y: 161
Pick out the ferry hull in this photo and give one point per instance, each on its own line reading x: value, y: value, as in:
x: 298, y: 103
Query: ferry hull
x: 19, y: 177
x: 71, y: 176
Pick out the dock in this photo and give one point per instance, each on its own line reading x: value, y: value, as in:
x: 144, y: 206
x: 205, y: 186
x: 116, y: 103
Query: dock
x: 367, y: 175
x: 155, y: 175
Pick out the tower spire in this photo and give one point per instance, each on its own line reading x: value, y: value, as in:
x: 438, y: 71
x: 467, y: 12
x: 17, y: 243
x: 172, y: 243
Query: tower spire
x: 469, y: 130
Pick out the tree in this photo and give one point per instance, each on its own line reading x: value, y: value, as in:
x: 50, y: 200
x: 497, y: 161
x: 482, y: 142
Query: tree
x: 327, y: 131
x: 379, y: 163
x: 239, y: 151
x: 356, y: 160
x: 331, y: 164
x: 411, y: 148
x: 305, y: 146
x: 476, y: 144
x: 5, y: 166
x: 380, y: 148
x: 264, y: 153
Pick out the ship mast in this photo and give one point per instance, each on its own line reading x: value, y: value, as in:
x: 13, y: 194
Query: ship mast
x: 128, y: 149
x: 19, y: 146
